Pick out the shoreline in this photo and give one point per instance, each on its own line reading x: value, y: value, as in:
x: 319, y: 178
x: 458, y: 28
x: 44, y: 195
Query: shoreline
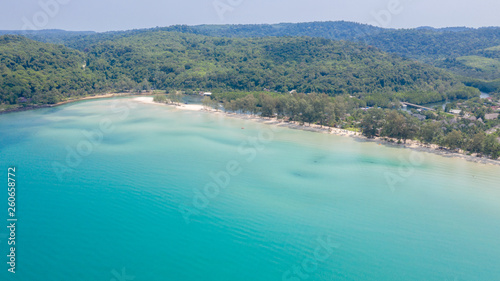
x: 410, y: 144
x: 108, y: 95
x: 192, y: 107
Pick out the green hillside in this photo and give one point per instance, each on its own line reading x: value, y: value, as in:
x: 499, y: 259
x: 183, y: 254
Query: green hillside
x: 137, y: 60
x: 42, y: 73
x: 437, y: 47
x: 176, y: 60
x: 54, y: 36
x: 338, y: 30
x: 493, y: 49
x: 482, y: 63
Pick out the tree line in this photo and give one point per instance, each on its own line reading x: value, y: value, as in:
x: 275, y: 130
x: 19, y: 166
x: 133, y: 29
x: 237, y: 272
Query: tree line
x: 350, y: 112
x: 35, y: 72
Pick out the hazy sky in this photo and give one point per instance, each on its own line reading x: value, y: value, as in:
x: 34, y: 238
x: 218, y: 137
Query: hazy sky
x: 105, y: 15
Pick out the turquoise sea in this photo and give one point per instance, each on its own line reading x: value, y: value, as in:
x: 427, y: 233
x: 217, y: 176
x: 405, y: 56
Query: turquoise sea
x: 116, y: 190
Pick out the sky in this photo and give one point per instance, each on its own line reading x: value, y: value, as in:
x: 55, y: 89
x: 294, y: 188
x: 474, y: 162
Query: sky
x: 107, y: 15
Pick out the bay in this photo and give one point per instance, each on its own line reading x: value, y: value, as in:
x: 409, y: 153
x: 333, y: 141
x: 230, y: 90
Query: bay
x: 113, y: 190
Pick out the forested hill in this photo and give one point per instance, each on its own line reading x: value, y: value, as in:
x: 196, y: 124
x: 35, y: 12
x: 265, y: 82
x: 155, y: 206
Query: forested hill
x: 465, y: 51
x: 54, y: 36
x: 428, y: 45
x: 425, y: 44
x: 32, y: 72
x: 171, y: 60
x: 335, y: 30
x: 338, y: 30
x: 281, y: 64
x: 468, y: 52
x: 471, y: 52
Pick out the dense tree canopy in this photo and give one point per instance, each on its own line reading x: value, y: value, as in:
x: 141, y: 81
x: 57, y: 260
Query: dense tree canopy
x: 465, y: 51
x: 42, y: 73
x: 310, y: 80
x: 171, y: 60
x: 350, y: 113
x: 474, y: 54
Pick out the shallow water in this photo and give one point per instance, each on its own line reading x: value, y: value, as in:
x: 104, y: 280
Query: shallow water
x: 137, y: 200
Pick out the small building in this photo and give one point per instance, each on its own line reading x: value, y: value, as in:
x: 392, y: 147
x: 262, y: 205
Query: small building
x: 420, y: 116
x: 491, y: 116
x: 455, y: 111
x: 205, y: 94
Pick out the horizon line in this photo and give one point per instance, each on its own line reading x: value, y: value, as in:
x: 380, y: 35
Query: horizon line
x: 246, y: 24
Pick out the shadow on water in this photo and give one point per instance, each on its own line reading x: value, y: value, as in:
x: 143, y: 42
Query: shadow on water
x: 319, y: 159
x: 304, y: 175
x: 17, y: 127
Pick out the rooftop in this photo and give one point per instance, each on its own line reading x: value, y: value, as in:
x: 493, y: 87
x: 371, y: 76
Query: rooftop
x: 491, y: 116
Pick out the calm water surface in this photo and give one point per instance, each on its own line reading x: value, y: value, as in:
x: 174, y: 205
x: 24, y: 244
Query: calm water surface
x: 117, y: 190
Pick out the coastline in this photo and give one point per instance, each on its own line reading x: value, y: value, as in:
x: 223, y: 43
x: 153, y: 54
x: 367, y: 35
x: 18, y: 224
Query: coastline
x: 108, y: 95
x: 410, y: 144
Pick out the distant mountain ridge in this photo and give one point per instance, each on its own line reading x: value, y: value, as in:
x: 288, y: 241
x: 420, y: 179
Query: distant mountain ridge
x: 440, y: 47
x: 336, y: 30
x: 279, y: 57
x: 447, y: 48
x: 54, y: 36
x: 144, y: 59
x: 339, y: 30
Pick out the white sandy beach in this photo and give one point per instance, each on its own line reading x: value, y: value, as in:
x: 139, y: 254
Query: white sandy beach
x: 149, y: 100
x: 411, y: 144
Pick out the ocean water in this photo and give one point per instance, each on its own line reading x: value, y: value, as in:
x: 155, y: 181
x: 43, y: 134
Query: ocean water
x: 115, y: 190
